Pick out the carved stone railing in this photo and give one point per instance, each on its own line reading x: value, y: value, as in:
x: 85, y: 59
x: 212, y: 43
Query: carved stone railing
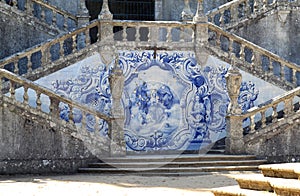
x: 264, y: 121
x: 252, y: 58
x: 47, y: 13
x: 155, y: 34
x: 280, y: 107
x: 235, y: 12
x: 50, y: 112
x: 45, y: 55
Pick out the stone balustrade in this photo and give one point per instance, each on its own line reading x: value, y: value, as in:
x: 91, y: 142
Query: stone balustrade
x: 167, y: 35
x: 44, y: 54
x: 238, y: 10
x: 258, y: 116
x: 15, y: 82
x: 47, y: 13
x: 253, y: 59
x: 51, y: 15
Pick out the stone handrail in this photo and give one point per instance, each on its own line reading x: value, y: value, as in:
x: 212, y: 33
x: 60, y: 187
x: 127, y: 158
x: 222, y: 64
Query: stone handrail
x: 238, y: 10
x: 40, y: 9
x: 259, y: 113
x: 15, y: 82
x: 252, y: 58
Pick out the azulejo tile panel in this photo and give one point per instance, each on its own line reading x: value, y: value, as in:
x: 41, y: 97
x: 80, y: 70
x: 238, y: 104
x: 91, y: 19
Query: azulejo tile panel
x: 170, y: 101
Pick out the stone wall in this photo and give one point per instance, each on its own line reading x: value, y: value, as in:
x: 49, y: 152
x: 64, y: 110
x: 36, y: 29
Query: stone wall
x: 31, y: 147
x: 275, y: 36
x: 17, y: 35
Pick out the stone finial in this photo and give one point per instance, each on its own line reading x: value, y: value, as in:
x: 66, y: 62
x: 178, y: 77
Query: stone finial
x: 186, y: 14
x: 200, y: 15
x: 234, y: 80
x: 105, y: 14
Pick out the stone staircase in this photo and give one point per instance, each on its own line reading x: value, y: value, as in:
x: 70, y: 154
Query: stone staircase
x: 275, y: 179
x: 174, y: 165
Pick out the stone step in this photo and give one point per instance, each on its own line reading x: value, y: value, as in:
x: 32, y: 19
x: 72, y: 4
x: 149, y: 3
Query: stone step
x: 176, y: 164
x: 158, y: 171
x: 287, y: 187
x: 283, y: 170
x: 177, y: 158
x: 254, y: 182
x: 237, y: 191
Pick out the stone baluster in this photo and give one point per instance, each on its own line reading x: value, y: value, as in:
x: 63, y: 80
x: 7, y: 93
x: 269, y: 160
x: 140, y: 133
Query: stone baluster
x: 221, y: 20
x: 43, y: 13
x: 182, y: 34
x: 288, y: 106
x: 74, y: 43
x: 71, y: 116
x: 87, y: 37
x: 46, y: 55
x: 83, y: 121
x: 263, y: 119
x: 124, y: 33
x: 12, y: 89
x: 54, y: 19
x: 271, y: 69
x: 274, y: 113
x: 186, y: 14
x: 65, y: 26
x: 282, y: 73
x: 169, y: 35
x: 242, y: 52
x: 25, y: 95
x: 38, y: 101
x: 61, y: 49
x: 97, y: 126
x: 234, y: 122
x: 234, y: 13
x: 230, y: 47
x: 294, y: 77
x: 83, y: 14
x: 218, y: 39
x: 265, y: 5
x: 16, y: 65
x: 252, y: 124
x: 29, y: 63
x: 54, y: 106
x: 137, y: 34
x: 28, y: 6
x: 247, y: 8
x: 116, y: 81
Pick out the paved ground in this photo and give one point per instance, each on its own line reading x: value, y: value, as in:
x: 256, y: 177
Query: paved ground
x: 84, y: 185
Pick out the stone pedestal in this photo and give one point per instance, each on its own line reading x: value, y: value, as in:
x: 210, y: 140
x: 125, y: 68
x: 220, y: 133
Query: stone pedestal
x: 234, y: 123
x: 117, y: 141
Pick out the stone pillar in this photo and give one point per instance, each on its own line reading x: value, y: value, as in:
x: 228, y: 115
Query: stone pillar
x: 234, y: 123
x: 105, y: 14
x: 117, y: 139
x: 83, y: 16
x: 186, y: 14
x: 201, y: 34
